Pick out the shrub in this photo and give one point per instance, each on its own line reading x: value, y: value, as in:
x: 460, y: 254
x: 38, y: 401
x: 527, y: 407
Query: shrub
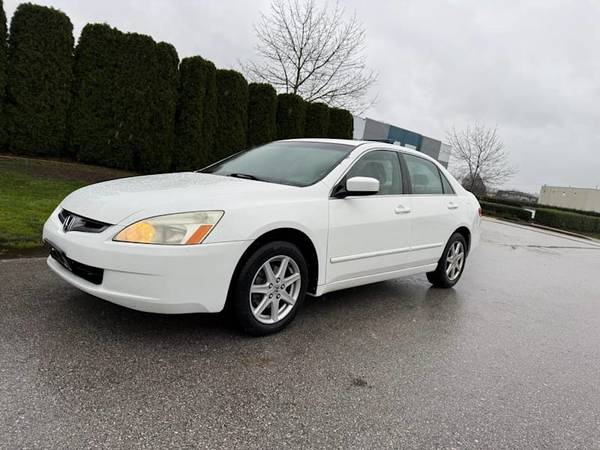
x: 291, y: 114
x: 195, y: 123
x: 40, y: 63
x: 505, y: 201
x: 92, y: 122
x: 317, y: 120
x: 232, y: 114
x: 124, y: 100
x: 157, y: 154
x: 135, y: 82
x: 262, y: 114
x: 505, y: 211
x: 3, y: 62
x: 341, y: 124
x: 567, y: 220
x: 576, y: 211
x: 519, y: 203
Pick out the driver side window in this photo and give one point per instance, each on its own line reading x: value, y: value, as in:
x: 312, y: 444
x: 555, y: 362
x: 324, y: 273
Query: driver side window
x: 382, y: 165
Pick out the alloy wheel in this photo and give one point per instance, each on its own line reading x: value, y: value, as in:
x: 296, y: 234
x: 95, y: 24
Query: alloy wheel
x: 455, y: 260
x: 275, y: 289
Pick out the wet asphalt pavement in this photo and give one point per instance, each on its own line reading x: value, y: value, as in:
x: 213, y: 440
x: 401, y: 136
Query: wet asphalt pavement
x: 509, y: 358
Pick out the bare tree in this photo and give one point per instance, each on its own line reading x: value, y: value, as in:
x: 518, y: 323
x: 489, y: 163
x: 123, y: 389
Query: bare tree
x: 314, y: 52
x: 479, y: 156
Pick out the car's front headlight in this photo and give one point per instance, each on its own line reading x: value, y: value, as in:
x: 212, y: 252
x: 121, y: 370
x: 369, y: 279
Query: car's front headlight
x: 173, y: 229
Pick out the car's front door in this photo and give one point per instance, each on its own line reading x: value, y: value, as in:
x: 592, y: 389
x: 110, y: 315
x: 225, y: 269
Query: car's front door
x: 370, y: 234
x: 434, y: 210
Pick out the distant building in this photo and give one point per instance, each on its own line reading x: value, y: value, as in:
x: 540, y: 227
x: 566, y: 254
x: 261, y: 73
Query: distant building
x: 583, y: 199
x: 517, y: 196
x: 370, y: 129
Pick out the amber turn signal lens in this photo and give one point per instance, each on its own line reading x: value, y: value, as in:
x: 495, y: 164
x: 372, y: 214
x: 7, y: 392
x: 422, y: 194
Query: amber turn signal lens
x: 199, y: 234
x: 142, y: 232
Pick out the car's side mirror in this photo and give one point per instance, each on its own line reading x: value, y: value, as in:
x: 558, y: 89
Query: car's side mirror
x: 359, y: 186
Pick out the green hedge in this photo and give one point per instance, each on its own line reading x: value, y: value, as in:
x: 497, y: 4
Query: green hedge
x: 571, y: 210
x: 92, y: 125
x: 121, y: 100
x: 232, y: 114
x: 505, y: 201
x: 262, y: 114
x: 196, y: 119
x: 155, y: 155
x: 518, y: 203
x: 40, y: 63
x: 141, y: 77
x: 567, y: 220
x: 317, y: 120
x: 3, y: 64
x: 505, y: 211
x: 341, y: 124
x: 124, y: 100
x: 291, y: 114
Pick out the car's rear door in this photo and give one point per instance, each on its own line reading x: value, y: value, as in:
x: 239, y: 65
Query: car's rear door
x: 370, y: 234
x: 435, y: 209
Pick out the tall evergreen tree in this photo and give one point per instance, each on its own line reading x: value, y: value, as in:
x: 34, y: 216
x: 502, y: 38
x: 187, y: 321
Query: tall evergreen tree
x: 124, y: 100
x: 262, y: 114
x: 341, y: 124
x: 196, y: 119
x: 291, y: 115
x: 317, y: 120
x: 162, y: 121
x: 40, y: 61
x: 232, y: 113
x: 133, y: 85
x: 3, y: 63
x: 93, y: 125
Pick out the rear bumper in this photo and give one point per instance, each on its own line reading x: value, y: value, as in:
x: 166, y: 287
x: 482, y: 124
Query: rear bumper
x: 475, y: 234
x: 153, y: 278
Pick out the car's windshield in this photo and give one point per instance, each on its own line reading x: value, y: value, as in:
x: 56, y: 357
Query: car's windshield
x: 296, y: 163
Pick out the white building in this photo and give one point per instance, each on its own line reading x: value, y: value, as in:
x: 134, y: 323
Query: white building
x: 371, y: 129
x: 569, y: 197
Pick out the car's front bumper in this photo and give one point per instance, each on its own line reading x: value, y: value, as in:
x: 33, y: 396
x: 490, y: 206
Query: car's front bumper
x: 155, y: 278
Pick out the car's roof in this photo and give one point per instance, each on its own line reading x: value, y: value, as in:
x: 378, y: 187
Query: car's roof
x: 351, y: 142
x: 356, y: 143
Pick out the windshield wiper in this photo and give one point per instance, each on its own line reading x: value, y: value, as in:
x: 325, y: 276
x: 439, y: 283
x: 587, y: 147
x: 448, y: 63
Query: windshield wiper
x: 245, y: 176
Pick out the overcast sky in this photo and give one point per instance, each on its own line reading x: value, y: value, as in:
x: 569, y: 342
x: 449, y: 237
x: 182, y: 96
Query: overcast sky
x: 531, y: 67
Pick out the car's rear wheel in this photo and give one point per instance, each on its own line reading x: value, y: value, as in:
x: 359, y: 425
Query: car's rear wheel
x: 269, y: 288
x: 452, y: 263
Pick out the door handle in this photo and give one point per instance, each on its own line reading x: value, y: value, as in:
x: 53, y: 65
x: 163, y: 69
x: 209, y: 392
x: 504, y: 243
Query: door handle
x: 452, y: 205
x: 401, y: 209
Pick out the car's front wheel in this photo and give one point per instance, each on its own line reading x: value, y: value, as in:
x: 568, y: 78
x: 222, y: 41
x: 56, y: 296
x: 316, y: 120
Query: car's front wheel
x: 269, y: 288
x: 452, y: 263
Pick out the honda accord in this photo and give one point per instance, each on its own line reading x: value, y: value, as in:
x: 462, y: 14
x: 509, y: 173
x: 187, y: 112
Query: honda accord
x: 259, y: 230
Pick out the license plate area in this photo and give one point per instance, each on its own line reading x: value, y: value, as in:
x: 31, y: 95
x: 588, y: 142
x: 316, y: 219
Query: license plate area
x: 89, y: 273
x: 59, y: 256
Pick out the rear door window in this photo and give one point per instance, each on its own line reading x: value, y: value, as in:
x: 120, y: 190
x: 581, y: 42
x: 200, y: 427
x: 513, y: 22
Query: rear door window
x: 424, y: 176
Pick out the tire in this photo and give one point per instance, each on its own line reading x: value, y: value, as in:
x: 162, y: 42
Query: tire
x: 273, y: 303
x: 443, y: 276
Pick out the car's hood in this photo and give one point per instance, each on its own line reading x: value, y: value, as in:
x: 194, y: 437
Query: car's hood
x: 146, y: 196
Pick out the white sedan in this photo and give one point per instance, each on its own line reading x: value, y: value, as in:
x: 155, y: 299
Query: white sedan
x: 263, y: 228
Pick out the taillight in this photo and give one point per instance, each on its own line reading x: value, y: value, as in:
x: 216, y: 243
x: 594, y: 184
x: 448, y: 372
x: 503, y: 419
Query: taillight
x: 480, y: 212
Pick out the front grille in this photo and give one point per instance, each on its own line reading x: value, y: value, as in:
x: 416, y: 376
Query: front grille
x: 74, y: 222
x: 92, y: 274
